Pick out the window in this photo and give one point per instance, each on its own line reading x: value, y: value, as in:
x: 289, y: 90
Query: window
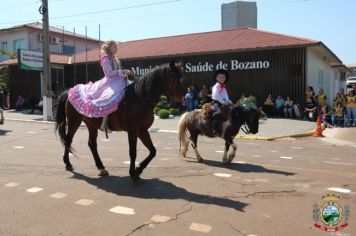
x: 19, y: 44
x: 68, y: 50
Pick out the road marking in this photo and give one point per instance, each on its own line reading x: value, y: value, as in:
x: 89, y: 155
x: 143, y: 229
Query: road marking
x: 241, y: 162
x: 31, y: 132
x: 302, y: 185
x: 11, y: 184
x: 167, y: 148
x: 288, y: 158
x: 247, y: 180
x: 18, y: 147
x: 160, y: 219
x: 34, y: 190
x: 219, y: 151
x: 200, y: 228
x: 340, y: 190
x: 222, y: 175
x: 274, y: 151
x: 297, y: 148
x: 84, y: 202
x: 256, y: 156
x: 122, y: 210
x: 128, y: 162
x: 338, y: 163
x: 58, y: 195
x: 165, y: 159
x: 105, y: 140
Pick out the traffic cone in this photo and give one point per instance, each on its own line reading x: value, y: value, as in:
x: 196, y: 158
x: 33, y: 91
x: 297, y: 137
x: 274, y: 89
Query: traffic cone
x: 318, y: 131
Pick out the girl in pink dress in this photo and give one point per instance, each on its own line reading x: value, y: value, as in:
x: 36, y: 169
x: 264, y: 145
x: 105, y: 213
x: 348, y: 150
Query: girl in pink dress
x: 101, y: 98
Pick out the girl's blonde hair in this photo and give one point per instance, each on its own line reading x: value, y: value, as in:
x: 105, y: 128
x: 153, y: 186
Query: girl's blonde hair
x: 105, y: 50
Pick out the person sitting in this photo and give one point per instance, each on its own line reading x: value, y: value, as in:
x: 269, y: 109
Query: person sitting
x: 288, y: 107
x: 19, y: 103
x: 309, y: 93
x: 279, y: 106
x: 103, y: 97
x: 338, y: 114
x: 220, y: 98
x: 204, y: 95
x: 268, y: 107
x: 38, y: 106
x: 310, y: 112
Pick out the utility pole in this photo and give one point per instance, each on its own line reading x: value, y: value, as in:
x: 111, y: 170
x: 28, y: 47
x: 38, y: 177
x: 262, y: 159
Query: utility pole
x: 46, y: 89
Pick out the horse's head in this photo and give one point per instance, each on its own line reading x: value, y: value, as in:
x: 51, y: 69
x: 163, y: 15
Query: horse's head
x: 173, y: 75
x: 246, y: 116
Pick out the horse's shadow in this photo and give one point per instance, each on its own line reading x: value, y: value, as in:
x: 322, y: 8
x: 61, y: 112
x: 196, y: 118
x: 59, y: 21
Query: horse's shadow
x: 244, y: 168
x: 156, y: 189
x: 4, y: 132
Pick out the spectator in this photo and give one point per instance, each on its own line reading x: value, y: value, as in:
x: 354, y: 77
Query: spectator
x: 1, y: 116
x: 2, y: 97
x: 36, y: 106
x: 279, y: 106
x: 326, y: 117
x: 189, y: 102
x: 288, y: 107
x: 320, y: 98
x: 195, y: 96
x: 310, y: 110
x: 204, y: 95
x: 354, y: 89
x: 268, y: 107
x: 338, y: 114
x: 309, y: 93
x: 351, y: 108
x: 19, y: 102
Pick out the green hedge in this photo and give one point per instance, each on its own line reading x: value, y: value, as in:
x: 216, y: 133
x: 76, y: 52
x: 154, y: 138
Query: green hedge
x: 163, y: 114
x: 174, y: 111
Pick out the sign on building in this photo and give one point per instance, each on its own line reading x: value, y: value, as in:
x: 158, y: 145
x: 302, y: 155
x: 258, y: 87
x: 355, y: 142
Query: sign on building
x: 30, y: 60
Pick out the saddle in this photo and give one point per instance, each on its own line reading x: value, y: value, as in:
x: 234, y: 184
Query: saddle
x: 207, y: 112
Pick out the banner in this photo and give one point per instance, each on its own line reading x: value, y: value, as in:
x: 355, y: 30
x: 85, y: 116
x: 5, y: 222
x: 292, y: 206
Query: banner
x: 30, y: 60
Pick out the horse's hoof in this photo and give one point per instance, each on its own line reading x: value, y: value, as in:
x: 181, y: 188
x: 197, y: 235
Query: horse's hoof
x: 200, y: 160
x: 69, y: 168
x: 103, y: 173
x: 138, y: 180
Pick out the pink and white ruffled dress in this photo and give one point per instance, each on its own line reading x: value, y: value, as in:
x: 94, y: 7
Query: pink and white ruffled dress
x: 101, y: 98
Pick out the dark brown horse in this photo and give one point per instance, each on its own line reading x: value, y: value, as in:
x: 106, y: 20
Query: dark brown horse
x: 134, y: 115
x: 199, y: 122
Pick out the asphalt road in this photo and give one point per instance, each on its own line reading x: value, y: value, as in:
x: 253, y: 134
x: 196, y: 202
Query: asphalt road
x: 259, y: 194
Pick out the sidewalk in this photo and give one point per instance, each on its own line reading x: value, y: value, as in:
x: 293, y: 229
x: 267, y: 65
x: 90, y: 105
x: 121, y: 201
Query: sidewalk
x: 269, y: 129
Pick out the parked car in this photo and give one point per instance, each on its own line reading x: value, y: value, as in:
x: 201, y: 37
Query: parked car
x: 350, y: 81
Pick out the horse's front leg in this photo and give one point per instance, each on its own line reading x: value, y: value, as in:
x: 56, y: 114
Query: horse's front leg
x: 233, y: 153
x: 227, y: 147
x: 93, y: 134
x: 194, y: 138
x: 132, y: 134
x: 146, y: 140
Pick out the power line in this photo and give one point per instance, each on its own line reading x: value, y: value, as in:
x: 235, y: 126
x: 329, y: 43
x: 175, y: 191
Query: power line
x: 99, y: 12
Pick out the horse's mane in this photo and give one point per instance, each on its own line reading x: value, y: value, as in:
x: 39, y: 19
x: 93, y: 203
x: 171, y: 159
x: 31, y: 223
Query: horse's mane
x: 148, y: 86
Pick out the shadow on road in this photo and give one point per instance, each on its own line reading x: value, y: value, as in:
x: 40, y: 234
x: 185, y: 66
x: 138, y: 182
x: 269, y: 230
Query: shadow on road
x: 4, y: 132
x: 155, y: 189
x: 244, y: 168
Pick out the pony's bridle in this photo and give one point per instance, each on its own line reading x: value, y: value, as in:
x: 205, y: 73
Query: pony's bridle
x: 245, y: 128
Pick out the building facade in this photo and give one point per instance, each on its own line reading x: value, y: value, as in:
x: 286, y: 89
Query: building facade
x: 30, y: 37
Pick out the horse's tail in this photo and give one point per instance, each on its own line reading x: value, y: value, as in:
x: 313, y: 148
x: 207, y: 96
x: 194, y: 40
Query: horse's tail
x: 182, y: 129
x: 60, y: 118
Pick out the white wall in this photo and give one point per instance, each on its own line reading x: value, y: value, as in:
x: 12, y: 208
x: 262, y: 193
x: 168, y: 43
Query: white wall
x: 33, y: 42
x: 317, y: 64
x: 10, y: 36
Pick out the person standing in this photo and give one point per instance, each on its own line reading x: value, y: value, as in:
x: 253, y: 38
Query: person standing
x: 188, y: 98
x: 351, y: 108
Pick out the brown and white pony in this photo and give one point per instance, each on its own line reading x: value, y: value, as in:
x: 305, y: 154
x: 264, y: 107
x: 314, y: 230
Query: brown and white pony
x: 199, y: 122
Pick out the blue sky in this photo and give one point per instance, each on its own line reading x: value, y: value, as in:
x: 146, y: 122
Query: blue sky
x: 331, y: 21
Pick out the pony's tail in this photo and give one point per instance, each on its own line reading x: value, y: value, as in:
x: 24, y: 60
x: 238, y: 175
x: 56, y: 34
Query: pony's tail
x: 60, y: 118
x: 182, y: 129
